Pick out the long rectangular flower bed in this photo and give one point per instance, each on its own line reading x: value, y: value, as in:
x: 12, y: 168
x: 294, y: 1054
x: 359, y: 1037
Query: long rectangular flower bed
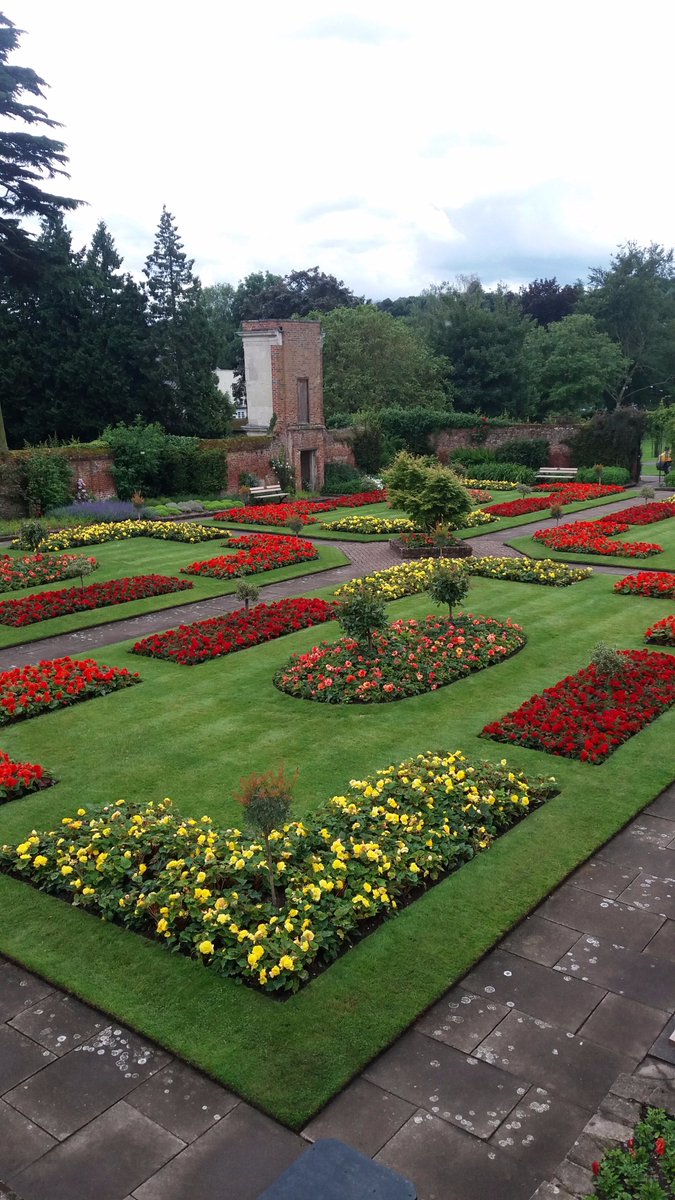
x: 42, y: 606
x: 643, y: 514
x: 203, y: 640
x: 660, y: 584
x: 589, y: 715
x: 592, y: 537
x: 258, y: 552
x: 662, y: 633
x: 296, y: 510
x: 412, y: 577
x: 19, y: 778
x: 554, y: 493
x: 57, y: 683
x: 117, y: 531
x: 34, y: 569
x: 204, y: 892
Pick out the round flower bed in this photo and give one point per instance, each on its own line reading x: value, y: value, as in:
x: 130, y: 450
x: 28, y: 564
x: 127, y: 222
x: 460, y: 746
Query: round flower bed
x: 660, y: 584
x: 662, y: 633
x: 408, y: 658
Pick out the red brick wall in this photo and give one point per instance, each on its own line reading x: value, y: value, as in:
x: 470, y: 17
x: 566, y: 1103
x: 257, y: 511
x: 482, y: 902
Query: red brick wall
x: 555, y: 435
x: 300, y: 356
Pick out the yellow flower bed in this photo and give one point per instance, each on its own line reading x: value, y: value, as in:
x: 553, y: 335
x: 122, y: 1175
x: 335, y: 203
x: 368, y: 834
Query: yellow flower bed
x: 204, y: 891
x: 371, y: 525
x: 493, y: 485
x: 412, y: 577
x: 478, y: 517
x: 108, y: 531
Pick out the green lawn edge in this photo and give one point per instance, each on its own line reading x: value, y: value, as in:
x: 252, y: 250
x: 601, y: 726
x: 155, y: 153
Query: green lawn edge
x: 204, y: 589
x: 661, y: 532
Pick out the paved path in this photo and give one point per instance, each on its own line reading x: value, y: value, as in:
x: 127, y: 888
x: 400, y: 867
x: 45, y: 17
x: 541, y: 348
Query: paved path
x: 482, y: 1097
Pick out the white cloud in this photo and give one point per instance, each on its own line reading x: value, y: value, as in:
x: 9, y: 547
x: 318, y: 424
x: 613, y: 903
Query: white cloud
x: 392, y: 144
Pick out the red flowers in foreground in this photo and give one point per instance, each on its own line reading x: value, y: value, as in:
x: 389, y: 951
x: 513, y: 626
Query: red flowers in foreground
x: 56, y: 683
x: 556, y: 493
x: 300, y: 510
x: 257, y: 552
x: 588, y: 715
x: 34, y: 569
x: 43, y: 605
x: 591, y: 537
x: 660, y: 584
x: 203, y: 640
x: 643, y: 514
x: 662, y: 633
x: 17, y: 779
x: 518, y: 508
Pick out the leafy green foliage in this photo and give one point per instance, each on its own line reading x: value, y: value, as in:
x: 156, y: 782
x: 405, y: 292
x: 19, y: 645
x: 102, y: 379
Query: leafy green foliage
x: 267, y: 799
x: 362, y: 612
x: 155, y: 463
x: 247, y: 593
x: 614, y: 475
x: 572, y: 366
x: 369, y: 447
x: 43, y: 480
x: 430, y: 494
x: 448, y: 584
x: 527, y: 452
x: 31, y: 534
x: 611, y: 437
x: 644, y: 1167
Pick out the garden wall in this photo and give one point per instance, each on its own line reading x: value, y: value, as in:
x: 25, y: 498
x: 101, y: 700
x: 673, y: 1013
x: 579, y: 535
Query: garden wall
x: 557, y: 435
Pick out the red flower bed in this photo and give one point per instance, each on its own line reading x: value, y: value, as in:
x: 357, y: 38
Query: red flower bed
x: 44, y: 605
x: 204, y: 640
x: 576, y: 492
x: 662, y: 633
x: 660, y: 584
x: 56, y: 683
x: 588, y: 715
x: 479, y: 496
x: 590, y: 537
x: 34, y: 569
x: 518, y: 508
x: 643, y: 514
x: 258, y: 552
x: 17, y: 779
x: 408, y: 658
x: 300, y: 510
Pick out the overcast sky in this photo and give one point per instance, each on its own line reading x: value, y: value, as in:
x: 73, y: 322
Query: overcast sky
x: 393, y: 144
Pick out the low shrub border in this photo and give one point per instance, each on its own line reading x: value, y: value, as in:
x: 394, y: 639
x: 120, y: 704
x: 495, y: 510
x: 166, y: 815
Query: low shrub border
x: 203, y: 892
x: 56, y: 683
x: 660, y: 584
x: 590, y: 714
x: 662, y: 633
x: 42, y: 606
x: 260, y: 552
x: 109, y: 531
x: 411, y: 577
x: 35, y: 569
x: 19, y: 778
x: 408, y: 658
x: 204, y: 640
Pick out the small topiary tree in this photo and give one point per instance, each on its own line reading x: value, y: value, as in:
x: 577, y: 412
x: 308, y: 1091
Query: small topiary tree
x: 608, y: 661
x: 267, y: 800
x: 31, y: 534
x: 247, y: 593
x: 598, y: 469
x: 647, y: 494
x: 556, y: 512
x: 361, y: 613
x: 448, y: 584
x: 430, y: 494
x: 81, y: 567
x: 524, y: 490
x: 295, y: 525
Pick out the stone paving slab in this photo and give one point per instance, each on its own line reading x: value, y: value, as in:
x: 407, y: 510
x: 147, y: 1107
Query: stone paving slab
x: 19, y: 990
x: 363, y: 1115
x: 518, y: 983
x: 606, y: 879
x: 604, y: 917
x: 618, y: 1022
x: 638, y: 976
x: 461, y: 1019
x: 59, y: 1023
x: 540, y: 1129
x: 103, y: 1161
x: 651, y: 894
x: 182, y: 1100
x: 539, y: 940
x: 19, y: 1058
x: 21, y: 1142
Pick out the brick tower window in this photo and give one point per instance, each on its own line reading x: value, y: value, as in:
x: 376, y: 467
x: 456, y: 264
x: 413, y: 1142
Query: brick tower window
x: 303, y: 401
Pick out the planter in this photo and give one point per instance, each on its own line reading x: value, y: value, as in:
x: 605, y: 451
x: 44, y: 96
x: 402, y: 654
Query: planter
x: 456, y: 550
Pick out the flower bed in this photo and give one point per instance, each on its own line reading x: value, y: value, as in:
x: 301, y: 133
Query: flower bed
x: 18, y: 779
x: 479, y: 495
x: 660, y: 584
x: 35, y: 569
x: 203, y: 640
x: 576, y: 492
x: 497, y: 485
x: 643, y: 514
x: 589, y: 715
x: 589, y: 537
x: 408, y: 658
x: 643, y: 1167
x: 109, y: 531
x: 382, y: 525
x: 297, y: 510
x: 662, y: 633
x: 42, y: 606
x: 411, y: 577
x: 254, y: 554
x: 518, y: 508
x: 56, y: 683
x: 202, y: 891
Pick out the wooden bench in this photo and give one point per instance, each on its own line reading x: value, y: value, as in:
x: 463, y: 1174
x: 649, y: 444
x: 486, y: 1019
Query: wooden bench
x: 562, y: 473
x: 267, y: 495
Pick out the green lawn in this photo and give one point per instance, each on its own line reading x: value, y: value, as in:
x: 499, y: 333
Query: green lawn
x: 192, y: 733
x: 661, y: 532
x: 145, y: 556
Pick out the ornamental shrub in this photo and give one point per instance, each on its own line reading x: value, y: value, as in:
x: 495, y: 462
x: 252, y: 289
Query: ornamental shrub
x: 336, y: 475
x: 369, y: 447
x: 448, y: 584
x: 507, y: 471
x: 431, y: 495
x: 361, y: 612
x: 618, y: 476
x: 267, y: 799
x: 247, y: 593
x: 30, y: 536
x: 42, y: 479
x: 614, y: 437
x: 528, y: 452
